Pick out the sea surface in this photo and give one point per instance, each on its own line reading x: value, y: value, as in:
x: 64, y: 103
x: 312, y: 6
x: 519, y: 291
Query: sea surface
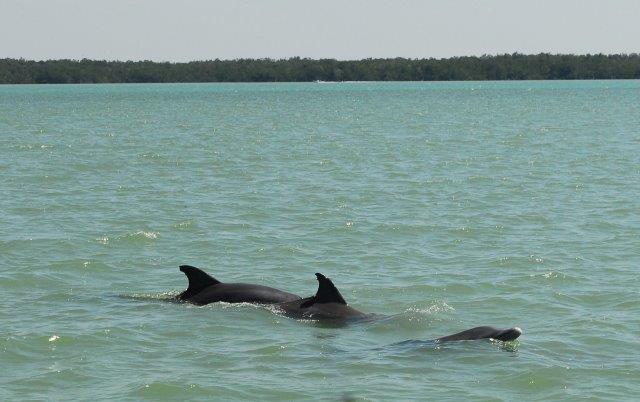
x: 440, y: 206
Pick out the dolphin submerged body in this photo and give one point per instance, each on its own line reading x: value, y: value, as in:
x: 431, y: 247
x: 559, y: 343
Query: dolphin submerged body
x: 204, y: 289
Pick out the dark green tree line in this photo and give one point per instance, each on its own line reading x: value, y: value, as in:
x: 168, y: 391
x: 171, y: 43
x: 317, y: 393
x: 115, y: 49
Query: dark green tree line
x: 515, y: 66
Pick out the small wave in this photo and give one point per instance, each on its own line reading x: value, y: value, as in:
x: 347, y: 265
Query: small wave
x: 226, y: 305
x: 536, y: 258
x: 189, y: 223
x: 34, y: 146
x: 164, y: 296
x: 273, y: 309
x: 150, y: 155
x: 413, y: 318
x: 409, y: 345
x: 139, y: 236
x: 438, y: 307
x: 549, y: 275
x: 509, y: 346
x: 148, y: 235
x: 412, y: 345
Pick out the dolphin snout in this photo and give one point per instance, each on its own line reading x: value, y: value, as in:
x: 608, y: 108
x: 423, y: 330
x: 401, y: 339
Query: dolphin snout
x: 509, y: 334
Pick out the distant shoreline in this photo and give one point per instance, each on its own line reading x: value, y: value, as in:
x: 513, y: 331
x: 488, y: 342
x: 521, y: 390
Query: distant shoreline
x: 515, y: 66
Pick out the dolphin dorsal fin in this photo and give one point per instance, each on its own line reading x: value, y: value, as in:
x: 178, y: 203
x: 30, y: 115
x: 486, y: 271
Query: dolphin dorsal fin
x: 198, y: 280
x: 327, y: 291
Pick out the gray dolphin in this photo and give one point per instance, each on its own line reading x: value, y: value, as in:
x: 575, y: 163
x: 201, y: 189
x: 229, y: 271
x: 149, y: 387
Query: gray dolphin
x: 328, y: 304
x: 507, y: 334
x: 204, y: 289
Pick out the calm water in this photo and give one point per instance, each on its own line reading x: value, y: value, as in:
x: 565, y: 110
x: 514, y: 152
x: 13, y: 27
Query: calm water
x: 441, y: 205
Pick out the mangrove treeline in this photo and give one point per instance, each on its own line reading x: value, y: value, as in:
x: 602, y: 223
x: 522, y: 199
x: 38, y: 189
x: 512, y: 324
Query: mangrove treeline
x: 502, y: 67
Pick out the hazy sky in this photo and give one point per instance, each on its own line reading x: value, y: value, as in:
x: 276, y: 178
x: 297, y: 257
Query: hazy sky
x: 181, y: 30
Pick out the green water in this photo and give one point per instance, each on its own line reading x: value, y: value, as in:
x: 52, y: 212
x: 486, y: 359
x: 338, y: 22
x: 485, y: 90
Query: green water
x: 441, y: 205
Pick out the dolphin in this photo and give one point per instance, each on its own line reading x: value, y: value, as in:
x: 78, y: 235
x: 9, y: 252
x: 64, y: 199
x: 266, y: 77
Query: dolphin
x: 329, y: 305
x: 507, y: 334
x: 326, y: 304
x: 204, y: 289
